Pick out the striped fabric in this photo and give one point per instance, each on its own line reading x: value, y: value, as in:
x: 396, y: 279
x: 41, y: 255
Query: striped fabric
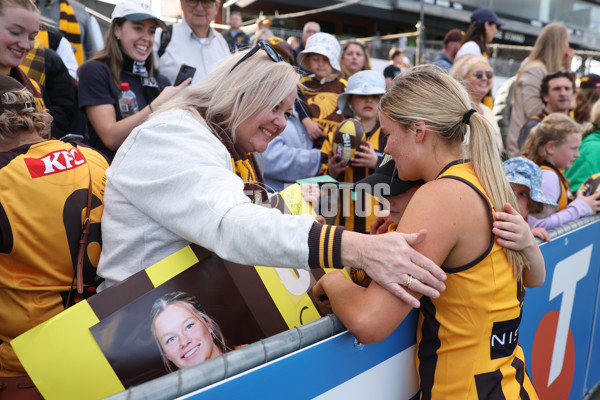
x: 34, y: 64
x: 69, y: 27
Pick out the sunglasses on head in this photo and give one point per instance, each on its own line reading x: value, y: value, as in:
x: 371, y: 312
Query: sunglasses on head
x: 488, y: 74
x: 271, y: 52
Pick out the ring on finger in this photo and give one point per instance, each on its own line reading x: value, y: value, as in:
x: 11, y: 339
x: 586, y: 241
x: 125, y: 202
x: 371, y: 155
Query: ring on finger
x: 409, y: 281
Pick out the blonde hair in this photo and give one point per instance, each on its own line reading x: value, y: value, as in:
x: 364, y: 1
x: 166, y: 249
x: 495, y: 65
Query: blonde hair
x: 15, y: 122
x: 555, y: 127
x: 254, y: 87
x: 594, y: 124
x: 461, y: 67
x: 345, y: 73
x: 29, y: 5
x: 428, y: 94
x: 548, y: 49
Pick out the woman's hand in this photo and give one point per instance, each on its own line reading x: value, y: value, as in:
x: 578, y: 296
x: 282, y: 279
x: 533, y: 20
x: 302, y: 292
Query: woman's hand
x: 335, y: 167
x: 365, y: 157
x: 312, y: 194
x: 313, y: 129
x: 593, y: 200
x: 568, y: 59
x: 389, y: 260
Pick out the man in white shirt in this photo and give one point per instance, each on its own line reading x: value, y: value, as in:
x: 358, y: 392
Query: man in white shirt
x: 192, y: 42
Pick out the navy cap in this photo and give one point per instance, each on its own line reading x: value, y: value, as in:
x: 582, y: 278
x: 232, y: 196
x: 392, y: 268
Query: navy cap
x: 482, y: 15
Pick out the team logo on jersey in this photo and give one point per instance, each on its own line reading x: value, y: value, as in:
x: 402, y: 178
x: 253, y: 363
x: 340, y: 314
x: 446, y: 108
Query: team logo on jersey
x: 55, y: 162
x: 505, y: 337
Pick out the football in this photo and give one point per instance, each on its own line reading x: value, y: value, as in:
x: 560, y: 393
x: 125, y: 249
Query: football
x: 348, y: 136
x: 591, y: 185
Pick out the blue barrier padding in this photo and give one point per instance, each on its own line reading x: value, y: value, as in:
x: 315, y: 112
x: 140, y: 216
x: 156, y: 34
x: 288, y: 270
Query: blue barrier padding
x: 316, y: 369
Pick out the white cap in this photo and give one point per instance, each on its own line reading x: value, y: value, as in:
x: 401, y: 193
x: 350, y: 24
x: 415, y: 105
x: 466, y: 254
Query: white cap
x: 362, y: 83
x: 136, y: 10
x: 324, y: 44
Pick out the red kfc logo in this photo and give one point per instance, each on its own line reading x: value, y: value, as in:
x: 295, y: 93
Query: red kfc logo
x: 55, y: 162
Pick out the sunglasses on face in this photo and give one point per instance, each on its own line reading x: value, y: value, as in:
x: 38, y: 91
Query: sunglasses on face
x: 488, y: 74
x: 271, y: 52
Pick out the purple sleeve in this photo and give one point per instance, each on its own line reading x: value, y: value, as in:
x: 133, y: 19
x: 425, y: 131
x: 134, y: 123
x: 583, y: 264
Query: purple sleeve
x: 575, y: 210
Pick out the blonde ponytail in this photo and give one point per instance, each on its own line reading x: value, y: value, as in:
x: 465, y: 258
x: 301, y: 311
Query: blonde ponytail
x: 426, y: 93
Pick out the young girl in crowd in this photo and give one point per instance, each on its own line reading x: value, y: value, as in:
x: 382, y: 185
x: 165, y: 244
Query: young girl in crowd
x: 322, y: 87
x: 126, y: 58
x: 588, y: 162
x: 525, y: 178
x: 554, y: 145
x: 360, y: 100
x: 427, y: 115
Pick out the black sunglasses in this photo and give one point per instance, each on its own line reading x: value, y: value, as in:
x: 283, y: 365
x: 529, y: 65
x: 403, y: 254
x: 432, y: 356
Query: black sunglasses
x: 488, y: 74
x: 271, y: 52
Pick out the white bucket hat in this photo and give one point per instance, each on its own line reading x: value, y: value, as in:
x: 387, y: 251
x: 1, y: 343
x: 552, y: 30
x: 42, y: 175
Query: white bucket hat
x: 324, y: 44
x: 136, y: 10
x: 362, y: 83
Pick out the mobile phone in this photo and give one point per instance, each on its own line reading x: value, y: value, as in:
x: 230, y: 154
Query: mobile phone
x: 185, y: 71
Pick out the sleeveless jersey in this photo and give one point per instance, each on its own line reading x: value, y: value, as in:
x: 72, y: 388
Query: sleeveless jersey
x: 43, y: 197
x: 467, y: 339
x: 358, y: 220
x: 565, y: 194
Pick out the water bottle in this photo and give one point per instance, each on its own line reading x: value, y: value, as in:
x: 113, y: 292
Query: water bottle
x: 127, y: 101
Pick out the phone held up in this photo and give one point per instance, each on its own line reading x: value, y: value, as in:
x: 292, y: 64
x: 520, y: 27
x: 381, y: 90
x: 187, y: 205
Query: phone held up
x: 185, y: 71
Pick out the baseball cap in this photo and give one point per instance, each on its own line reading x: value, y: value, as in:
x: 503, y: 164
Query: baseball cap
x: 590, y: 81
x: 482, y: 15
x: 136, y: 10
x: 523, y: 171
x: 362, y: 83
x: 324, y: 44
x: 8, y: 84
x: 385, y: 173
x: 454, y: 35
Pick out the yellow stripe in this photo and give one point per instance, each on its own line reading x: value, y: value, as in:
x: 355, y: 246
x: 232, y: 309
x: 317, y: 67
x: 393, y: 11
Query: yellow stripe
x: 330, y: 247
x: 47, y: 352
x: 167, y: 268
x: 321, y: 246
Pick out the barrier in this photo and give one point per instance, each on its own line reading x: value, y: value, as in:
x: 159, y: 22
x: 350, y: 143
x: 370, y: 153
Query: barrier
x: 560, y: 334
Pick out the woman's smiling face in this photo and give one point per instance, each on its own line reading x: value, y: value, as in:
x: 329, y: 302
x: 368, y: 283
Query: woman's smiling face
x: 255, y: 133
x: 185, y: 337
x: 18, y: 29
x: 136, y: 38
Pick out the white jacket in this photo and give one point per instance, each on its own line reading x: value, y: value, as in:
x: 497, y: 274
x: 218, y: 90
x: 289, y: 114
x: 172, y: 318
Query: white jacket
x: 171, y: 184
